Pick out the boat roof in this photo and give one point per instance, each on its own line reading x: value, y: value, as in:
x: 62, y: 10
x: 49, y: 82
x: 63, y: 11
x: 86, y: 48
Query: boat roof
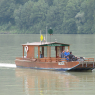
x: 46, y: 44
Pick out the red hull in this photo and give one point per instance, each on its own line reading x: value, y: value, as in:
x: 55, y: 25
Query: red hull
x: 62, y: 66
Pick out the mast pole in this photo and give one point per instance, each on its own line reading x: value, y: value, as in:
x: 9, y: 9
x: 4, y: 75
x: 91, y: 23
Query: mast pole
x: 40, y: 35
x: 46, y: 33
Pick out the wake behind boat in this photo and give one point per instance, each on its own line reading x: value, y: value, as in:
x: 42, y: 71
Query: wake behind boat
x: 7, y: 65
x: 39, y: 56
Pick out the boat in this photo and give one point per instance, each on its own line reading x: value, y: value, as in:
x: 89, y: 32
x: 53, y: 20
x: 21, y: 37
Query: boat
x: 46, y: 56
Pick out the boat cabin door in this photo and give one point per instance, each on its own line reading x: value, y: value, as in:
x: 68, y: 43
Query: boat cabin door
x: 59, y: 50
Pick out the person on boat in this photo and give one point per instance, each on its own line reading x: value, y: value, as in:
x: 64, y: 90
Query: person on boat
x: 62, y: 54
x: 41, y: 56
x: 70, y: 56
x: 67, y: 58
x: 66, y: 53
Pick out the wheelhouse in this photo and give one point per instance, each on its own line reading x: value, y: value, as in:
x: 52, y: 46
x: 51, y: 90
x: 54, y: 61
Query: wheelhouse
x: 44, y: 50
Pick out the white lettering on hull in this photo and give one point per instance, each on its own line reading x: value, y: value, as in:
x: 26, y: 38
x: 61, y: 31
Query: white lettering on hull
x: 61, y: 63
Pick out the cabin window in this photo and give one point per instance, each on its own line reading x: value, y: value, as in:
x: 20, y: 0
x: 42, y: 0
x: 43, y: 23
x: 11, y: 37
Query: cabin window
x: 59, y: 50
x: 36, y: 52
x: 45, y: 51
x: 53, y: 52
x: 66, y: 48
x: 41, y: 52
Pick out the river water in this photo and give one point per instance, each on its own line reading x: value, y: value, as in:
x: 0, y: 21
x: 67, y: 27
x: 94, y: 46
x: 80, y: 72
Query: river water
x: 18, y: 81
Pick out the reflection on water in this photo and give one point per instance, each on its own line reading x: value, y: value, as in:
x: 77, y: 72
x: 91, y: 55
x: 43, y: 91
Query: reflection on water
x: 40, y: 82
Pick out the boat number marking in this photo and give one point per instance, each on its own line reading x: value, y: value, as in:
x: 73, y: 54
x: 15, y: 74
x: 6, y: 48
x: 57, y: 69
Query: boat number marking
x: 61, y: 63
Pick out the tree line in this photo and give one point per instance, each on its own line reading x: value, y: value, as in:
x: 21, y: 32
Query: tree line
x: 31, y: 16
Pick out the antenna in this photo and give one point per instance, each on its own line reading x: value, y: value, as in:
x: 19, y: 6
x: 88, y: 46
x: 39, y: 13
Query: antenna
x: 46, y: 33
x: 40, y: 35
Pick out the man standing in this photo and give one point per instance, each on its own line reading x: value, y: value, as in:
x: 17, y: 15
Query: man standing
x: 66, y: 53
x: 62, y: 54
x: 70, y: 56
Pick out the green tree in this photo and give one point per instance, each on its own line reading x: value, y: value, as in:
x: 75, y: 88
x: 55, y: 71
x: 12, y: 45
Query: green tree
x: 69, y: 21
x: 30, y: 14
x: 6, y: 10
x: 64, y: 16
x: 55, y: 15
x: 22, y: 2
x: 88, y: 7
x: 50, y: 2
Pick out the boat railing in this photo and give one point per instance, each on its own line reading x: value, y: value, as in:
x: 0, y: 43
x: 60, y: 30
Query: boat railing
x: 52, y: 59
x: 89, y: 59
x: 20, y: 58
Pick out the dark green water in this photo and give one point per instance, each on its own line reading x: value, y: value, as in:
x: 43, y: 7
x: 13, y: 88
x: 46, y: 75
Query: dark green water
x: 17, y: 81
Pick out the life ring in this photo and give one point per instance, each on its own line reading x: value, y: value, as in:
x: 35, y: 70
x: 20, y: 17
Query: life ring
x: 26, y: 48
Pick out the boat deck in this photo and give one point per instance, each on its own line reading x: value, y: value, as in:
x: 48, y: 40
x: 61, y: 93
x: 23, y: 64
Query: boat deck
x: 52, y: 59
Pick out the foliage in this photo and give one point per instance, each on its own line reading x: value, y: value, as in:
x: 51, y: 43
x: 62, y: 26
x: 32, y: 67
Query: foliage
x: 31, y: 16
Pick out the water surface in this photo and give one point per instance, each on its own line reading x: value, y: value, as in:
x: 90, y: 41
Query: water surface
x: 18, y: 81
